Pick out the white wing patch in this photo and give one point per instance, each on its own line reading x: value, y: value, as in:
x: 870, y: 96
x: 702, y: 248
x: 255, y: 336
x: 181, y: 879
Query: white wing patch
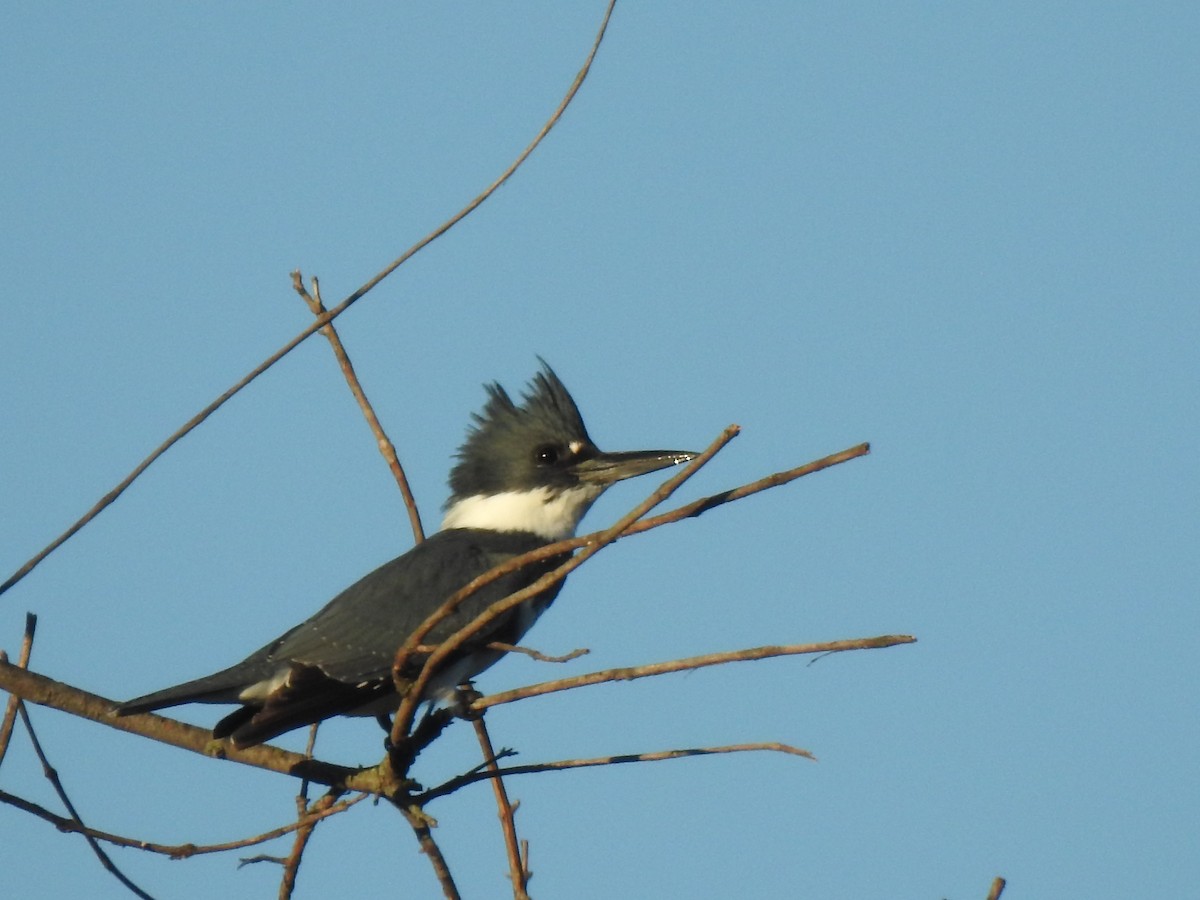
x: 260, y: 690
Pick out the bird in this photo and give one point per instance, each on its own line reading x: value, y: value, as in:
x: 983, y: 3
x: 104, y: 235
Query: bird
x: 523, y: 479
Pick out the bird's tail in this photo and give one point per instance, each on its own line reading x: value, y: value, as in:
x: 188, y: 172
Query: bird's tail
x: 220, y: 687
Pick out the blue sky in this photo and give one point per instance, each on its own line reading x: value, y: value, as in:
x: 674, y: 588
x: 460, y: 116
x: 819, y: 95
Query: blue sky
x: 963, y: 232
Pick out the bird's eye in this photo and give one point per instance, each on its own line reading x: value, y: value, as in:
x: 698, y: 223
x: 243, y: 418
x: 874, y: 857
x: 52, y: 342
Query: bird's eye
x: 546, y: 456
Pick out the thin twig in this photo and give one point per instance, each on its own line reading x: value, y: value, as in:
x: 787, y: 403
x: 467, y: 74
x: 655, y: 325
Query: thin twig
x: 695, y: 509
x: 320, y: 322
x: 261, y: 858
x: 291, y: 865
x: 174, y: 851
x: 382, y: 441
x: 302, y: 799
x: 408, y: 706
x: 630, y: 673
x: 703, y: 505
x: 997, y: 889
x: 508, y: 824
x: 561, y: 765
x: 539, y: 656
x: 52, y: 776
x: 10, y: 711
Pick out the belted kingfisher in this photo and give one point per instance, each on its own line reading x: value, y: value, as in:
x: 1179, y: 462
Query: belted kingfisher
x: 523, y: 479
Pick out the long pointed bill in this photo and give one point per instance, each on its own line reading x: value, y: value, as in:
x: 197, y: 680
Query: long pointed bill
x: 606, y: 468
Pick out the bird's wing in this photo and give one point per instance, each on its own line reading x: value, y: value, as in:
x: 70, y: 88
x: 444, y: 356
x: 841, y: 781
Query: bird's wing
x: 354, y: 638
x: 340, y: 660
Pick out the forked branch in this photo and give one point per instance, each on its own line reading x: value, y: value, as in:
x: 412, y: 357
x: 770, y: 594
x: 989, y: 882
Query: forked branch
x: 382, y: 441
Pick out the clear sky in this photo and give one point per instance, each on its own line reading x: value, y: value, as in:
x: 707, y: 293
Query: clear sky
x: 964, y: 232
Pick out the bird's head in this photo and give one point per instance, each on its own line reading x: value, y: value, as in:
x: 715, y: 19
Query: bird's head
x: 531, y: 466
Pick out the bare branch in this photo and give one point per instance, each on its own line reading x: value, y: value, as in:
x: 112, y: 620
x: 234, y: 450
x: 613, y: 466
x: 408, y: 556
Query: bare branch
x: 43, y: 691
x: 10, y: 711
x: 320, y: 322
x: 408, y: 706
x: 302, y: 798
x: 696, y: 508
x: 261, y: 858
x: 630, y: 673
x: 291, y: 866
x: 377, y: 780
x: 703, y: 505
x: 997, y: 889
x: 460, y: 781
x: 508, y: 824
x: 540, y: 657
x: 382, y: 441
x: 420, y: 824
x: 46, y: 692
x: 52, y: 776
x: 174, y: 851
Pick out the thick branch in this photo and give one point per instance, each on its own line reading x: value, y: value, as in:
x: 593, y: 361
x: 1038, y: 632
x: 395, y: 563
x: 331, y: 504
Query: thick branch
x: 44, y: 691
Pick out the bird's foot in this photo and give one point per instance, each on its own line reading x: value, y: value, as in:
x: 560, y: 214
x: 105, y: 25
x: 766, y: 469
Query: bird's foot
x: 464, y: 696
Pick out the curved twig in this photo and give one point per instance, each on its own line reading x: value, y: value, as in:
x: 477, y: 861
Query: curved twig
x: 174, y: 851
x: 320, y: 321
x: 52, y: 776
